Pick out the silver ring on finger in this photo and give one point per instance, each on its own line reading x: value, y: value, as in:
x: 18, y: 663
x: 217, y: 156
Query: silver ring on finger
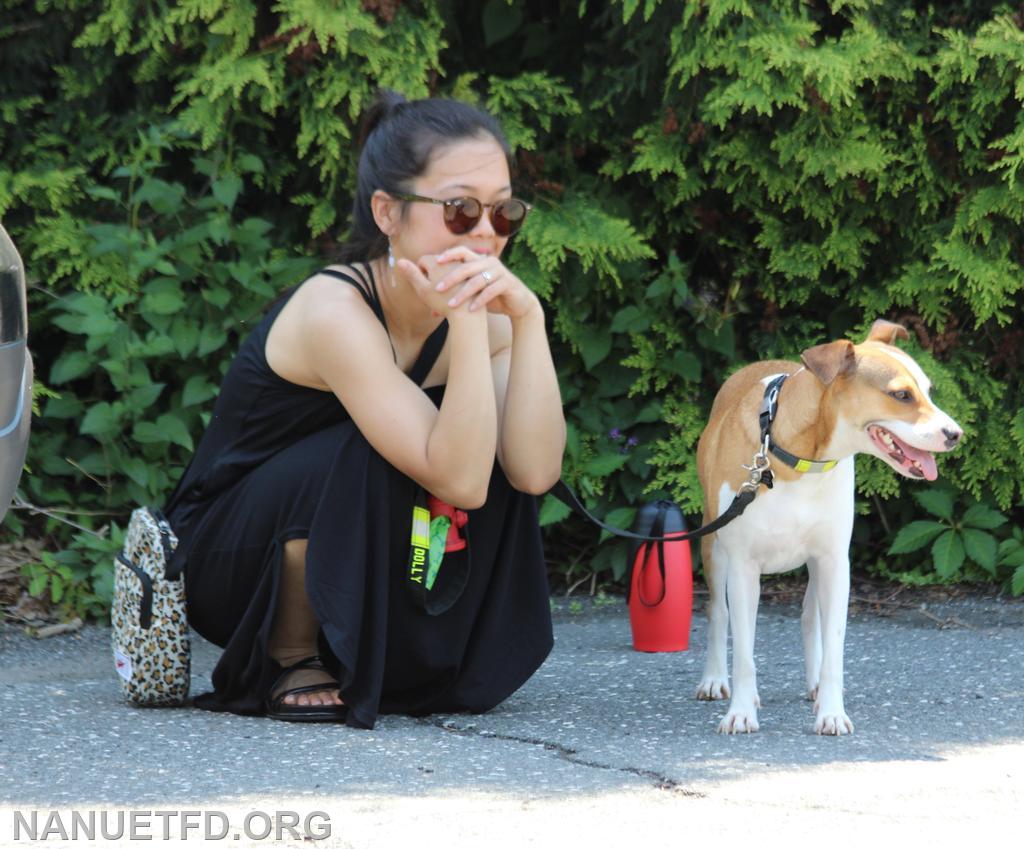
x: 488, y: 277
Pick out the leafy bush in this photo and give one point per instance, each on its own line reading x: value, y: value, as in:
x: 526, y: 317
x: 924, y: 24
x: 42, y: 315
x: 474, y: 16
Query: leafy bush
x: 144, y: 349
x: 958, y: 545
x: 715, y: 181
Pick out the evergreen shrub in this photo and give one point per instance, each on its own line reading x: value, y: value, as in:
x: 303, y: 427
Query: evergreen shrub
x: 715, y: 181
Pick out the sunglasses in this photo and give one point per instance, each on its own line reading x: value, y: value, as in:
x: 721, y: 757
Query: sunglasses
x: 462, y: 214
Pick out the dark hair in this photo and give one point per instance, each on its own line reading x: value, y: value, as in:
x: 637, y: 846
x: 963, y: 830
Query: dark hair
x: 397, y: 139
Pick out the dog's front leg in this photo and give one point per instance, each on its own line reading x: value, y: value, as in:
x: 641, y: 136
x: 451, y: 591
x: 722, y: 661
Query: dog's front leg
x: 831, y: 578
x: 810, y: 622
x: 715, y: 682
x: 743, y: 589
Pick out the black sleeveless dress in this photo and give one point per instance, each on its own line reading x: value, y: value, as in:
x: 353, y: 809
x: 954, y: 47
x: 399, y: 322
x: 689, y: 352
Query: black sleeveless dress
x: 280, y: 462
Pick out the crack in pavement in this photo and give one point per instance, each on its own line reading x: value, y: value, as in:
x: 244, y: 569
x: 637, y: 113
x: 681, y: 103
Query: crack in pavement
x: 660, y: 781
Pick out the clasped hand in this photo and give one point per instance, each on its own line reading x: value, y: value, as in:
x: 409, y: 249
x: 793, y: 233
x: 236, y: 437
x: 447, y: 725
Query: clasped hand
x: 459, y: 278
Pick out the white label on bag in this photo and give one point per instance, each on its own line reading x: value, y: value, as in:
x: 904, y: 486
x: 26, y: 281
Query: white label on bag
x: 123, y: 665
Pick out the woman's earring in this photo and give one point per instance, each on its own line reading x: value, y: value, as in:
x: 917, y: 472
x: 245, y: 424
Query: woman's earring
x: 391, y: 265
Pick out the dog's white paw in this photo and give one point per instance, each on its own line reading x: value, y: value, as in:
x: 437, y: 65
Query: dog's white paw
x: 739, y: 722
x: 833, y: 724
x: 713, y: 689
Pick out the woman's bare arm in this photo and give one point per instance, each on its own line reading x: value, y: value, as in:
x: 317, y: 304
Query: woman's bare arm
x: 531, y: 435
x: 450, y: 452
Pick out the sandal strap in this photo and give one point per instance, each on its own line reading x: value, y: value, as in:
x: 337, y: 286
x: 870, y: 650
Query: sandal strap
x: 277, y: 702
x: 313, y: 662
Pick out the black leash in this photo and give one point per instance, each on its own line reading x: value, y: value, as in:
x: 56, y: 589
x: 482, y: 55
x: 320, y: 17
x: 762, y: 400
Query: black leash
x: 435, y: 602
x: 739, y: 504
x: 760, y: 475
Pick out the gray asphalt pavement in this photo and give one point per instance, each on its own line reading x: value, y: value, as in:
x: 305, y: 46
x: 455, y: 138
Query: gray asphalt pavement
x: 604, y: 746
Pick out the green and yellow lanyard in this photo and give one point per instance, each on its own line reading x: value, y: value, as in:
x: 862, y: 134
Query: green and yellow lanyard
x: 426, y: 552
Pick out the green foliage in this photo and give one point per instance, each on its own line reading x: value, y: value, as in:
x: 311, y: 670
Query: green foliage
x: 714, y: 181
x: 143, y: 361
x: 1011, y: 555
x: 960, y: 543
x: 77, y: 580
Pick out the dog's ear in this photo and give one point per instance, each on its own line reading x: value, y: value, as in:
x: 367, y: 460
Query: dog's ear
x: 829, y: 361
x: 887, y: 332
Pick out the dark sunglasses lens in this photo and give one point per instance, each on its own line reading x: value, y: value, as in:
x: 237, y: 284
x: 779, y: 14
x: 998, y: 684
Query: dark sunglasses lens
x: 462, y: 214
x: 508, y: 216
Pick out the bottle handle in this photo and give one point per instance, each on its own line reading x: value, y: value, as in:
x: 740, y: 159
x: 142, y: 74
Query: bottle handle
x: 657, y: 529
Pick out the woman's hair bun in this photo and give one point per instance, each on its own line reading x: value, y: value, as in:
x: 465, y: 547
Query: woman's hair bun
x: 386, y: 103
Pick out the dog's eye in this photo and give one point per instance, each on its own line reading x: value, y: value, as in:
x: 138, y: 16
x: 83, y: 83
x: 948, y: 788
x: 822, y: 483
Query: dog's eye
x: 902, y: 395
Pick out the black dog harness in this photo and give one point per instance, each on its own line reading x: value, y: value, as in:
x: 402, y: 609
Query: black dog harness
x: 769, y: 409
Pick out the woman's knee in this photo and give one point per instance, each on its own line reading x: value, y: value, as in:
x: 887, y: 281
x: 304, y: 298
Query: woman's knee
x: 295, y: 554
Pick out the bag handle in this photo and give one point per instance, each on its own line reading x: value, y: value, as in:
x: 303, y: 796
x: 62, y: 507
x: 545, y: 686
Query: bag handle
x: 657, y: 529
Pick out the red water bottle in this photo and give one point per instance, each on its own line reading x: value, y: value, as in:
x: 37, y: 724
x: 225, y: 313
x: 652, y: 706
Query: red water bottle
x: 660, y: 589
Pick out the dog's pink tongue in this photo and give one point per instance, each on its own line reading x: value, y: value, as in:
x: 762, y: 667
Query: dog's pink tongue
x: 925, y: 458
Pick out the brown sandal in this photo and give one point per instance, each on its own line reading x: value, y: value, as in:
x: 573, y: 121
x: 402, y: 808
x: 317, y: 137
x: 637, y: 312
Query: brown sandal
x: 277, y: 709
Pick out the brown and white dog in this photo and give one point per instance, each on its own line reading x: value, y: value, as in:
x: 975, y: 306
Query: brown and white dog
x: 870, y: 398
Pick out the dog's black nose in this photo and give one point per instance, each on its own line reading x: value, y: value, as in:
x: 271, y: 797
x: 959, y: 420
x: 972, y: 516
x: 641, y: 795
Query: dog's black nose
x: 952, y: 436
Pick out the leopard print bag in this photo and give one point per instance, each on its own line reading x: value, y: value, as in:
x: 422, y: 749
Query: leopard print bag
x: 150, y: 632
